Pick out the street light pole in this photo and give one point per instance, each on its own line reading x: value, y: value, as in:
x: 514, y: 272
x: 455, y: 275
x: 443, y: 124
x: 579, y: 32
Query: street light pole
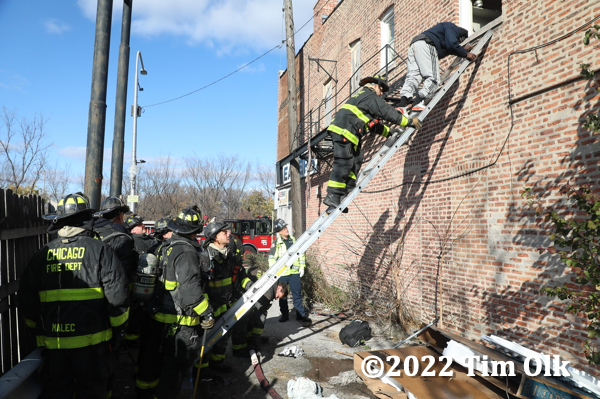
x: 133, y: 167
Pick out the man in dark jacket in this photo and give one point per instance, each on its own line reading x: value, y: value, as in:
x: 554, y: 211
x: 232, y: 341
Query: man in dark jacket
x: 110, y: 228
x: 423, y: 65
x: 174, y: 334
x: 362, y: 113
x: 257, y: 316
x: 218, y: 264
x: 134, y: 225
x: 73, y: 294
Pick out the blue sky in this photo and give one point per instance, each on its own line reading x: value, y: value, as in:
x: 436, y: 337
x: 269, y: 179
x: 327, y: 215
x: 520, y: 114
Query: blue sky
x: 46, y: 68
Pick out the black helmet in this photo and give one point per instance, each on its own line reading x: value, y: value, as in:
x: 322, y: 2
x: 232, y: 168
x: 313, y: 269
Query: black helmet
x: 71, y: 205
x: 278, y: 225
x: 212, y: 229
x: 160, y: 227
x: 133, y: 220
x: 378, y: 80
x: 112, y: 204
x: 188, y: 221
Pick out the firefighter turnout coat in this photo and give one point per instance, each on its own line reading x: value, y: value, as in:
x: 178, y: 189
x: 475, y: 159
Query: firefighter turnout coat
x: 353, y: 118
x: 279, y: 248
x: 183, y: 300
x: 74, y: 291
x: 219, y: 270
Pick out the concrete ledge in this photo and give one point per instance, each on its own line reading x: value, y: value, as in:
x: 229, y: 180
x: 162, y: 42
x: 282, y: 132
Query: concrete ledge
x: 23, y: 381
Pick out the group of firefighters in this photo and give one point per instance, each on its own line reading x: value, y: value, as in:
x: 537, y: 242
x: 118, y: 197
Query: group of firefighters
x: 78, y: 296
x: 76, y: 292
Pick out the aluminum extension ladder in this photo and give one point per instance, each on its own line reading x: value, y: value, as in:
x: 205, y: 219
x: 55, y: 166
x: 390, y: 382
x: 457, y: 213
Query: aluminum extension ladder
x: 391, y: 146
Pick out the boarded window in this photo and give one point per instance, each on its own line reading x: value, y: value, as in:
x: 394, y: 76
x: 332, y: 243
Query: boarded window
x: 354, y: 66
x: 387, y: 37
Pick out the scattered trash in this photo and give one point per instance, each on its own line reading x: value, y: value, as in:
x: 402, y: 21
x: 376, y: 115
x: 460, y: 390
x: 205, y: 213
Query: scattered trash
x: 292, y: 351
x: 345, y: 378
x: 303, y: 388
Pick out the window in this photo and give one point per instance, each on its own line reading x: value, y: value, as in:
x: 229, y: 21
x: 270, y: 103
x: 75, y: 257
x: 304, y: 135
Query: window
x: 245, y: 228
x: 235, y: 227
x: 328, y: 100
x: 263, y: 228
x: 475, y: 14
x: 354, y: 66
x: 387, y: 37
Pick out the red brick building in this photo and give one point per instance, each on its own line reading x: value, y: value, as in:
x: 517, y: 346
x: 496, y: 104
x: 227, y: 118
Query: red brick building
x: 443, y: 227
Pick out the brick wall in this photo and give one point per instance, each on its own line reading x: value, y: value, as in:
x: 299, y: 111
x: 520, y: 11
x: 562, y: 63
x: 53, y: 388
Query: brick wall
x: 430, y: 209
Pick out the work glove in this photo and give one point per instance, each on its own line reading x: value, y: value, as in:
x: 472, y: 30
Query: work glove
x: 207, y: 322
x: 301, y: 273
x: 414, y: 122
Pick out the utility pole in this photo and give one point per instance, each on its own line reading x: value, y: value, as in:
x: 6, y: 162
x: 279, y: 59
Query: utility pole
x: 97, y: 111
x: 118, y: 148
x: 295, y: 191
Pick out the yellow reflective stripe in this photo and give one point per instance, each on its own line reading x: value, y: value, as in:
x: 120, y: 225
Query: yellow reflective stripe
x: 332, y: 183
x: 202, y: 306
x: 242, y: 346
x: 177, y: 319
x: 71, y: 294
x: 30, y: 323
x: 131, y: 337
x: 216, y: 358
x: 220, y: 283
x: 352, y: 175
x: 356, y: 112
x: 386, y: 131
x: 39, y: 341
x: 346, y: 133
x: 146, y: 384
x: 81, y: 341
x: 245, y: 282
x: 171, y: 285
x: 257, y: 331
x: 220, y: 310
x: 117, y: 321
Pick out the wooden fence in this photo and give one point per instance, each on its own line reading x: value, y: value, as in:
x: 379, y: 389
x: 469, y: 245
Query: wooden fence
x: 22, y: 232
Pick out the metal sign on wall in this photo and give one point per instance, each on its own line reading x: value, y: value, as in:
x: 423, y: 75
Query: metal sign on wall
x: 286, y: 173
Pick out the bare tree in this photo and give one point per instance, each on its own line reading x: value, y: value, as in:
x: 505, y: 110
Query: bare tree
x: 56, y: 181
x: 218, y: 183
x: 161, y: 191
x: 265, y: 177
x: 23, y: 151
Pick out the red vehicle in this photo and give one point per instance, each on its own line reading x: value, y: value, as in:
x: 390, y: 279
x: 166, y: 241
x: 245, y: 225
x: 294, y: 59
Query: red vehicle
x: 255, y: 234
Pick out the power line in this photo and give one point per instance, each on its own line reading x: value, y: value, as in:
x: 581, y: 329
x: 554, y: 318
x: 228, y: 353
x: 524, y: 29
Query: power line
x: 240, y: 68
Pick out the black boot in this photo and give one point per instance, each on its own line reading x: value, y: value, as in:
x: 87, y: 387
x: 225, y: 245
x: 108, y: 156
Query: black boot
x: 304, y: 320
x: 332, y: 201
x: 284, y: 318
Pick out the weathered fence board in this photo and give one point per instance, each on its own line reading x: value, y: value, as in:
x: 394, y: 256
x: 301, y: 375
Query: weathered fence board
x: 22, y: 232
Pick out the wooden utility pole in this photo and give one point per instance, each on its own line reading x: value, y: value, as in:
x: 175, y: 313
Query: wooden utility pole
x: 295, y: 191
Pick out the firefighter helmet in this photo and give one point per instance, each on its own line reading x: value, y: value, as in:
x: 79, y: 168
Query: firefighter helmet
x: 133, y: 220
x: 188, y: 221
x: 70, y: 205
x: 378, y: 80
x: 160, y: 227
x: 212, y: 229
x: 112, y: 204
x: 279, y: 225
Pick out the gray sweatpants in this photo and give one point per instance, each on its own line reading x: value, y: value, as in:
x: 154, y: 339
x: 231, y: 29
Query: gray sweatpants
x: 423, y: 66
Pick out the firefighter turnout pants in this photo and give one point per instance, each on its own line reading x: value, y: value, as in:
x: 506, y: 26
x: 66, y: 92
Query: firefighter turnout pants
x: 347, y: 161
x: 167, y: 353
x: 81, y: 372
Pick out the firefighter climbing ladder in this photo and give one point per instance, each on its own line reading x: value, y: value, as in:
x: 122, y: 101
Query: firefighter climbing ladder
x: 391, y: 146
